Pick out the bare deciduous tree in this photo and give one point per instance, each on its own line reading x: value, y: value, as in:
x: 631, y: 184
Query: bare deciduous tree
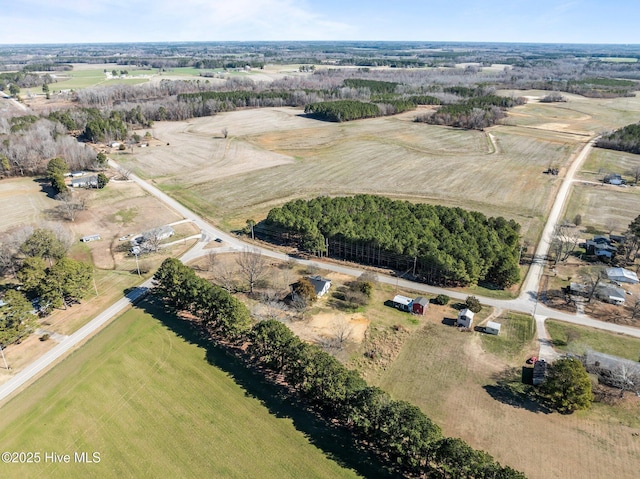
x: 69, y: 207
x: 565, y: 241
x: 253, y: 266
x: 124, y: 173
x: 610, y: 225
x: 225, y: 132
x: 592, y: 280
x: 635, y: 172
x: 226, y: 276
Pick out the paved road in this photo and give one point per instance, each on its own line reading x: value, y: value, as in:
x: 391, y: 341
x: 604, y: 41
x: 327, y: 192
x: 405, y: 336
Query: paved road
x: 526, y: 302
x: 44, y: 361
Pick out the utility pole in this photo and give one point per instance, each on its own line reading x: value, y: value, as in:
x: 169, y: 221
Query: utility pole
x: 6, y: 366
x: 137, y: 265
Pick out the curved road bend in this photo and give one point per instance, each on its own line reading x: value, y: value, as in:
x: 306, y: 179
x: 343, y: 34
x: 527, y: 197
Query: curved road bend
x: 526, y: 302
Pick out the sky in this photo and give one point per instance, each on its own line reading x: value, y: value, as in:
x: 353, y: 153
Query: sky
x: 109, y: 21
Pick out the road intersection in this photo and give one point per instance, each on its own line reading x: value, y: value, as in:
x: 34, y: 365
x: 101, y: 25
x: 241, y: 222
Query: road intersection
x: 527, y: 301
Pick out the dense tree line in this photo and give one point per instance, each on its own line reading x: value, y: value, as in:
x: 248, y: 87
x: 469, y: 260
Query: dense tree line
x: 474, y: 113
x: 343, y: 110
x: 626, y: 138
x: 463, y: 246
x: 218, y: 310
x: 399, y: 433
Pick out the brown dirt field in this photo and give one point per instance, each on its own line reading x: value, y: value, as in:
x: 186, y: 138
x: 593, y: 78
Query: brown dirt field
x: 325, y: 325
x: 448, y: 375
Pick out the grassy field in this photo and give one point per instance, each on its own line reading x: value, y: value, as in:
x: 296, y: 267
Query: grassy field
x: 577, y: 339
x: 515, y: 339
x: 25, y: 202
x: 271, y: 154
x: 461, y: 386
x: 155, y: 403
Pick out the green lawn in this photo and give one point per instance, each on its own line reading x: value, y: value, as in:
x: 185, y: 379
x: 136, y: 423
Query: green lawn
x: 577, y: 339
x: 155, y: 403
x: 516, y: 333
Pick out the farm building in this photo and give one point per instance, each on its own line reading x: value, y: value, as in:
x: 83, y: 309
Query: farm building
x: 622, y: 275
x: 86, y: 239
x: 320, y: 284
x: 402, y: 303
x: 492, y: 328
x: 610, y: 294
x: 75, y: 174
x: 420, y: 305
x: 85, y: 182
x: 465, y: 318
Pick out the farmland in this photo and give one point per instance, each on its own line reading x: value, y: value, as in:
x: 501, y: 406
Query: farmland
x: 271, y: 153
x: 219, y: 422
x: 467, y: 390
x: 28, y: 202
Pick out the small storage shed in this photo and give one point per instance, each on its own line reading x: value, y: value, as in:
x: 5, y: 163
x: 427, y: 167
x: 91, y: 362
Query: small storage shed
x: 402, y: 303
x: 320, y: 284
x: 420, y: 305
x: 492, y: 328
x: 86, y: 239
x: 465, y: 318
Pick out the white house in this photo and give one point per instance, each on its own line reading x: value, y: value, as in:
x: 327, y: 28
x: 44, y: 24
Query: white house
x: 402, y: 303
x: 85, y: 182
x: 465, y: 318
x: 492, y: 328
x: 320, y: 284
x: 622, y: 275
x: 610, y: 294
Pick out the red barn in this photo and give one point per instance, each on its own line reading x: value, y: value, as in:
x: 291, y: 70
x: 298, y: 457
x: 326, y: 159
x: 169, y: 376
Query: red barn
x: 420, y: 305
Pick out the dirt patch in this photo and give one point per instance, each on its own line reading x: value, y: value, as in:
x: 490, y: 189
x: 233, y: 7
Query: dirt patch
x: 324, y: 327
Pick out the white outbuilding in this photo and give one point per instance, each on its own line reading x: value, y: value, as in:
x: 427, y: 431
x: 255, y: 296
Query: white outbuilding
x: 465, y: 318
x: 621, y: 275
x: 492, y: 328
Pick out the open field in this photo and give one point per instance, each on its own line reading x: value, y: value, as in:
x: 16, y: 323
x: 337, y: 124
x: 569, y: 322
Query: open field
x: 24, y: 202
x: 154, y: 403
x: 120, y: 208
x: 271, y: 155
x: 459, y: 385
x: 599, y: 204
x: 577, y: 339
x: 602, y: 162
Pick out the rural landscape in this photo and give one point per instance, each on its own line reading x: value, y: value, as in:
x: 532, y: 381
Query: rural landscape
x: 320, y: 259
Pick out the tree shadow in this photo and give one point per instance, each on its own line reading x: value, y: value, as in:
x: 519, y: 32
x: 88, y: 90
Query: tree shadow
x: 45, y: 187
x: 337, y: 443
x: 508, y: 390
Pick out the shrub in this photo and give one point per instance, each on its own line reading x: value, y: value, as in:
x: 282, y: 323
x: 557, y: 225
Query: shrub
x: 441, y: 299
x: 473, y: 304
